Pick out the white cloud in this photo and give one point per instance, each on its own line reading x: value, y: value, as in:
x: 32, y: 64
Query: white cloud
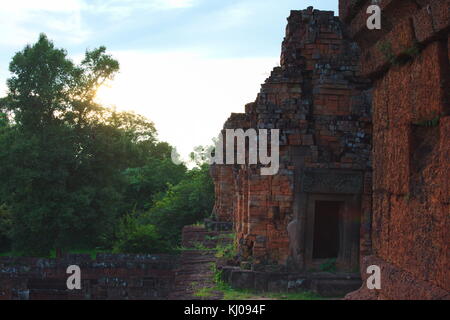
x: 42, y: 5
x: 21, y: 21
x: 188, y: 96
x: 174, y: 4
x: 120, y: 9
x: 228, y: 16
x: 233, y: 15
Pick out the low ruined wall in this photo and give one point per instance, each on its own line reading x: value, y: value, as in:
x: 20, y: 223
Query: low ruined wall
x: 143, y: 277
x: 408, y: 61
x: 322, y: 283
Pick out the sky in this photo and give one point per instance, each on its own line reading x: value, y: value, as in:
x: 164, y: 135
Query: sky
x: 184, y: 64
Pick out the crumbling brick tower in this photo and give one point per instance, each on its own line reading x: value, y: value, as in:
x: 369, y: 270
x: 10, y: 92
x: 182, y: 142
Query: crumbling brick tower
x: 318, y: 205
x: 408, y: 61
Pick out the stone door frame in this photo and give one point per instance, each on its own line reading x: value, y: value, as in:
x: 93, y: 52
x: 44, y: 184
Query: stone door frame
x: 328, y: 185
x: 348, y: 231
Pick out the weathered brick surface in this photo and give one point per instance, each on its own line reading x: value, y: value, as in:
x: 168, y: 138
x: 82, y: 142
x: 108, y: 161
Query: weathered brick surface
x: 410, y: 222
x: 401, y: 94
x: 444, y: 152
x: 397, y: 283
x: 322, y: 109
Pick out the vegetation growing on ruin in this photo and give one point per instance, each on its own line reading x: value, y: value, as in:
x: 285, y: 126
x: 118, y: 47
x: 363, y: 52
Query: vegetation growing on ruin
x: 386, y: 49
x: 228, y: 251
x: 235, y: 294
x: 429, y: 123
x: 328, y: 266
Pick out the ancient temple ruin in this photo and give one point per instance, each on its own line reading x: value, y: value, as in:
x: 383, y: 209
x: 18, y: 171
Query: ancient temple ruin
x: 321, y: 205
x: 342, y: 96
x: 317, y: 208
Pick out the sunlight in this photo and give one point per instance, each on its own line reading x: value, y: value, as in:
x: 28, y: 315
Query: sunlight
x: 186, y: 95
x: 106, y: 95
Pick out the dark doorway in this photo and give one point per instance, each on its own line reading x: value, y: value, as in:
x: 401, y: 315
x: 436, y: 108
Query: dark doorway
x: 326, y: 229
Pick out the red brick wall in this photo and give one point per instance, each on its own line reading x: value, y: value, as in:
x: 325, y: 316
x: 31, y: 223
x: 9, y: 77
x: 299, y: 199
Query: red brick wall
x: 408, y: 60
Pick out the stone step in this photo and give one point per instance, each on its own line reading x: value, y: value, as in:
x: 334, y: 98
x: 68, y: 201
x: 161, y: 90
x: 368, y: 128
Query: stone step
x: 195, y: 265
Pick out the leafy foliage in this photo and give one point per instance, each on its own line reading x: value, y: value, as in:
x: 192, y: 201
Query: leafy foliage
x: 228, y: 251
x: 72, y: 170
x: 144, y: 184
x: 183, y: 204
x: 137, y: 238
x: 5, y: 228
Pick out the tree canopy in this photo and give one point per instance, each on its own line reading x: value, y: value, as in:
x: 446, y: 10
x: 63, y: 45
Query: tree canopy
x: 72, y: 170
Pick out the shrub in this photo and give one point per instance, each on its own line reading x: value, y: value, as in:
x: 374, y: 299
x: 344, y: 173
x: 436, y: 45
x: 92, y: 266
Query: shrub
x: 184, y: 204
x: 5, y: 229
x: 137, y: 238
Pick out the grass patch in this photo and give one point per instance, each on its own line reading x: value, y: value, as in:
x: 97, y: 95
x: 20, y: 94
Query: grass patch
x: 235, y: 294
x: 232, y: 294
x: 296, y: 296
x: 204, y: 293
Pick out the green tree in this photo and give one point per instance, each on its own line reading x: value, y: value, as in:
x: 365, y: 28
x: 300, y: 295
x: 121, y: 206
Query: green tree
x: 59, y: 163
x: 145, y: 184
x: 186, y: 203
x: 5, y: 228
x: 71, y: 170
